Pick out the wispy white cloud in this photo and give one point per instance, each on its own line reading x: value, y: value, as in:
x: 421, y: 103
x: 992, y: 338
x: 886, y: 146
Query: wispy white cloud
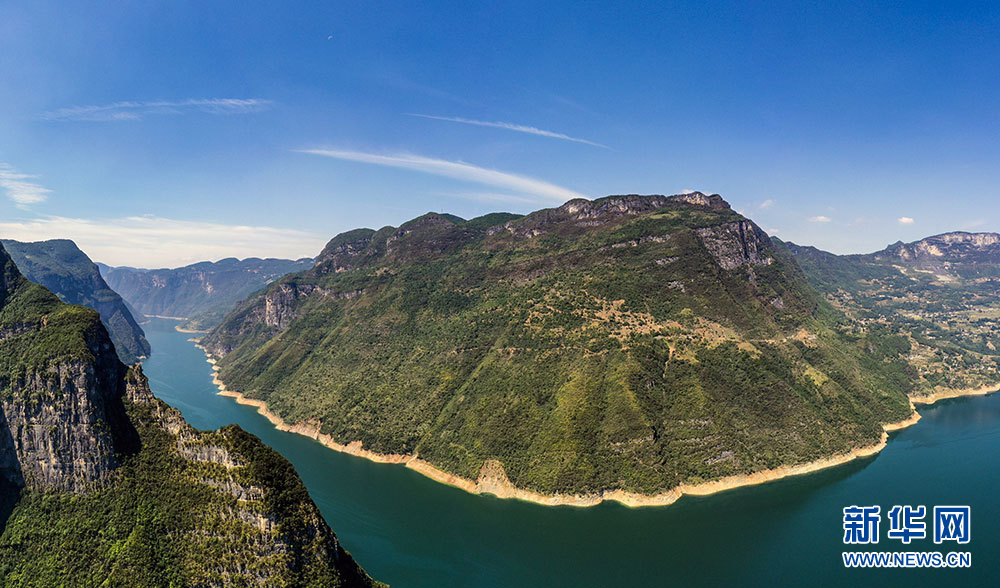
x: 149, y: 241
x: 457, y: 170
x: 819, y: 219
x: 19, y: 189
x: 494, y: 197
x: 767, y: 203
x: 138, y: 110
x: 510, y: 127
x: 905, y: 220
x: 772, y: 231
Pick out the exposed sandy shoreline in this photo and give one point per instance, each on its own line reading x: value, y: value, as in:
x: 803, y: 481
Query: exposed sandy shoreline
x: 493, y: 480
x: 180, y: 330
x: 946, y: 394
x: 175, y: 318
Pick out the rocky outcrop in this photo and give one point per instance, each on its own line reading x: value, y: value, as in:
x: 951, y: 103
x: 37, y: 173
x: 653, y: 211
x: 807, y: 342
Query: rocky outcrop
x: 735, y: 245
x: 64, y: 428
x: 950, y: 256
x: 345, y: 251
x: 952, y: 246
x: 595, y: 213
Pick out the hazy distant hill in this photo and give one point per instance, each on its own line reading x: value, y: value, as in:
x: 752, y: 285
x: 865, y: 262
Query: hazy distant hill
x: 63, y: 268
x: 102, y: 484
x: 203, y: 292
x: 631, y: 342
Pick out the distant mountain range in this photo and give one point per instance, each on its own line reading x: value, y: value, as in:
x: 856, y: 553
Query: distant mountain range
x: 60, y: 266
x: 958, y: 254
x: 101, y: 484
x: 626, y: 343
x: 202, y: 292
x: 938, y: 297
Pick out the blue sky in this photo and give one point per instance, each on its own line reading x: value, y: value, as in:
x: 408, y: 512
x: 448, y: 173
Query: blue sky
x: 163, y: 133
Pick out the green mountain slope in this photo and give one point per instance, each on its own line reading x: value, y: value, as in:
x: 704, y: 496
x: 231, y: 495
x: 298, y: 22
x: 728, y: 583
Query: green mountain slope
x: 630, y: 342
x: 104, y: 485
x: 60, y: 266
x: 939, y: 298
x: 203, y: 292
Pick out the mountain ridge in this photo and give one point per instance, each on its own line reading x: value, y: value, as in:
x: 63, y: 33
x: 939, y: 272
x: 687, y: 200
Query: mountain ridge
x: 60, y: 266
x: 201, y: 292
x: 630, y: 343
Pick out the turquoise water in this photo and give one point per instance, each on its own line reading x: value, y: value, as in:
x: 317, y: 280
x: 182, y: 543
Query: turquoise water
x: 408, y: 530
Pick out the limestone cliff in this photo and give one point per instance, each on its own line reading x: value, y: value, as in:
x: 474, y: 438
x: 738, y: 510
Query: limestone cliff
x: 96, y: 473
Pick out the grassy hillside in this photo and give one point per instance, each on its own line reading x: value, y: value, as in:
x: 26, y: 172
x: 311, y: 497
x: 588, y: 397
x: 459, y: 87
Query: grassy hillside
x: 60, y: 266
x: 629, y: 342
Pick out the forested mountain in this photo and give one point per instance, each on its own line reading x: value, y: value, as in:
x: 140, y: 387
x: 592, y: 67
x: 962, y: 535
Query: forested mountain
x: 629, y: 342
x: 63, y: 268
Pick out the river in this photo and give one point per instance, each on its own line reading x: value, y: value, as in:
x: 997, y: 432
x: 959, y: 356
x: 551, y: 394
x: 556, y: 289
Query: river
x: 408, y: 530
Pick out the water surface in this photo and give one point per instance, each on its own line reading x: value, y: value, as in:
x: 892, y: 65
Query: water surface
x: 408, y: 530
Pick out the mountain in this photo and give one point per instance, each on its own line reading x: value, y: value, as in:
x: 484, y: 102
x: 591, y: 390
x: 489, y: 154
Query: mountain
x: 203, y: 292
x: 60, y: 266
x: 104, y: 485
x: 958, y: 254
x: 939, y: 298
x: 629, y: 342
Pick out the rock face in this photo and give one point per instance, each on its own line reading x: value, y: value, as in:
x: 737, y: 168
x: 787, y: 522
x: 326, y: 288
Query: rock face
x: 202, y: 292
x: 64, y: 269
x: 64, y: 430
x: 736, y: 244
x: 955, y: 245
x: 957, y: 255
x: 628, y: 342
x: 74, y: 421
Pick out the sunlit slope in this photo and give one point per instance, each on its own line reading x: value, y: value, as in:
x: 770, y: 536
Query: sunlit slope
x: 630, y: 342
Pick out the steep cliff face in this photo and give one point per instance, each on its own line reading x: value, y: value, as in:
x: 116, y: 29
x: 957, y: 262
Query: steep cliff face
x: 631, y: 342
x: 63, y: 421
x: 736, y: 244
x: 64, y: 269
x: 201, y: 292
x: 95, y: 472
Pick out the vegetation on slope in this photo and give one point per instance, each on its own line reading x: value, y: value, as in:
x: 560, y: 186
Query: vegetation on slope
x: 202, y: 292
x: 172, y: 507
x: 629, y: 342
x: 60, y: 266
x: 941, y: 311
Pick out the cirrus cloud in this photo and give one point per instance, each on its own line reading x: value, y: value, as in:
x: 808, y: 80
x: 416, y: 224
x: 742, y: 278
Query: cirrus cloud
x: 819, y: 219
x: 905, y: 220
x: 120, y: 111
x: 510, y: 127
x: 20, y: 189
x: 458, y: 170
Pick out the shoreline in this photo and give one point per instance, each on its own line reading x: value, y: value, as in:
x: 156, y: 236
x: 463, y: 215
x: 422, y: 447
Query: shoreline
x: 191, y: 331
x: 962, y: 392
x: 493, y: 480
